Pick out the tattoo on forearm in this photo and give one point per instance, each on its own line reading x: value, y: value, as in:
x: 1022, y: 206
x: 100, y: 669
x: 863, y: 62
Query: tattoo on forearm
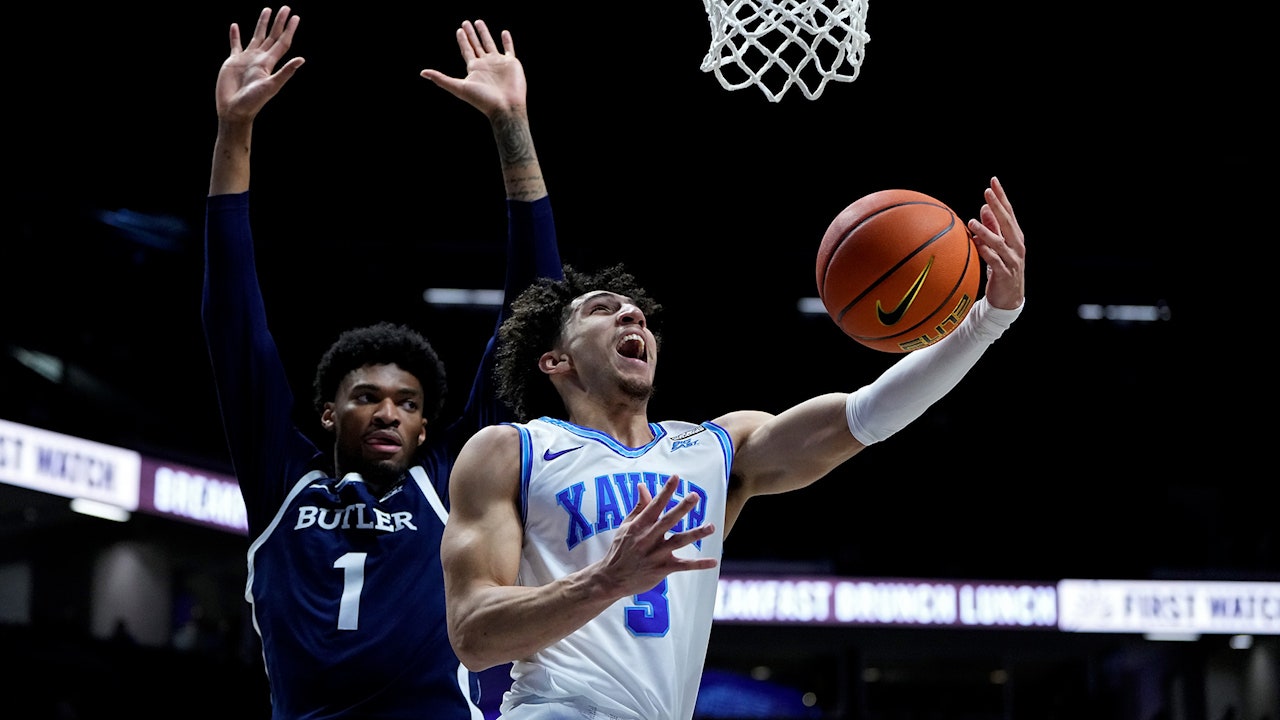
x: 530, y: 188
x: 515, y: 146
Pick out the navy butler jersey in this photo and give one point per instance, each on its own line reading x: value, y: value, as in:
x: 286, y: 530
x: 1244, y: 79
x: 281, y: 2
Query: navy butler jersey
x: 347, y: 585
x: 346, y: 589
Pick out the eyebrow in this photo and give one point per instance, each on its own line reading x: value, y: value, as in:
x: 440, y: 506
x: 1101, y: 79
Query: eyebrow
x: 585, y: 299
x: 402, y: 391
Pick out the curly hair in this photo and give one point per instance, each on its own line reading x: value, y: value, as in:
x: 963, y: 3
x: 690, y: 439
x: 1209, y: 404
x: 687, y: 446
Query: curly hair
x: 382, y: 343
x: 537, y: 318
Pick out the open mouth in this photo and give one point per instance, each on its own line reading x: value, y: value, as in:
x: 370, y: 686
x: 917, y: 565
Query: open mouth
x: 632, y: 346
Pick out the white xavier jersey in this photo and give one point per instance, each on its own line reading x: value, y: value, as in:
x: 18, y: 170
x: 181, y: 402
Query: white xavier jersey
x: 643, y: 656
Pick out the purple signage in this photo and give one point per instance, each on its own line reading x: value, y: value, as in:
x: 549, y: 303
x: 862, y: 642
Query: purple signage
x: 887, y: 602
x: 192, y: 495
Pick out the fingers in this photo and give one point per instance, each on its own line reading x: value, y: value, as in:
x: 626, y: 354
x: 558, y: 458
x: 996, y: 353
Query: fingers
x: 652, y: 509
x: 1010, y: 228
x: 283, y: 28
x: 264, y: 19
x: 438, y: 78
x: 1000, y: 210
x: 647, y: 510
x: 479, y: 41
x: 642, y: 552
x: 652, y: 514
x: 990, y: 237
x: 486, y: 39
x: 281, y: 22
x: 677, y: 513
x: 259, y: 30
x: 275, y: 40
x: 287, y: 71
x: 689, y: 537
x: 643, y: 501
x: 997, y: 190
x: 996, y: 223
x: 1001, y: 243
x: 473, y: 47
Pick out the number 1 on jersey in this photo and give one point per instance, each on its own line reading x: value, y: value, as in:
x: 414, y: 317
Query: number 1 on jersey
x: 352, y: 566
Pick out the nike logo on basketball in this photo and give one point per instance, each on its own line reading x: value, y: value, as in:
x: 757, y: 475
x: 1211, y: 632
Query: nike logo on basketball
x: 894, y: 315
x: 548, y: 455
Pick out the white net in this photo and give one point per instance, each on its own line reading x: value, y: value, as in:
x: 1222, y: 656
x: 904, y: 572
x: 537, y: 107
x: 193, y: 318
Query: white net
x: 774, y: 44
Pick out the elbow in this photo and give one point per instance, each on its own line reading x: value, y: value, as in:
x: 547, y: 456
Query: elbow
x: 472, y: 650
x: 475, y: 663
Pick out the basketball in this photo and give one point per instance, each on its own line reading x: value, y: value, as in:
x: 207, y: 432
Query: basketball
x: 897, y: 270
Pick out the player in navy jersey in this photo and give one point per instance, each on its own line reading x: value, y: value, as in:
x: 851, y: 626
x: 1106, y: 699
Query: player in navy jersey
x: 345, y: 583
x: 584, y: 542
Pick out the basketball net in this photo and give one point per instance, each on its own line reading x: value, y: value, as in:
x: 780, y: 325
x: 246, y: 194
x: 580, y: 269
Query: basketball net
x: 775, y: 44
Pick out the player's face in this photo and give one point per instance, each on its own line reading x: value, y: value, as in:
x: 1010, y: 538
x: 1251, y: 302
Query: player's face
x: 608, y: 338
x: 377, y: 422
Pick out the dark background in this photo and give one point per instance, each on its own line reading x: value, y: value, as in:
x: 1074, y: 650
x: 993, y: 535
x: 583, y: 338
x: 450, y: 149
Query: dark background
x: 1131, y: 141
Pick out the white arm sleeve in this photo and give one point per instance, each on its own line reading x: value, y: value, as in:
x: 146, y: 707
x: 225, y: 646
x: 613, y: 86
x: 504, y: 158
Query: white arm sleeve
x: 904, y: 391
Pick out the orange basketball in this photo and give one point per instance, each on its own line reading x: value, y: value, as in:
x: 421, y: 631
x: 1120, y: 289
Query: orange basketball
x: 897, y: 270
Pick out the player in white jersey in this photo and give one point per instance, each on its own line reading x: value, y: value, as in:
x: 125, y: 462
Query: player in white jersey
x: 579, y: 486
x: 587, y: 550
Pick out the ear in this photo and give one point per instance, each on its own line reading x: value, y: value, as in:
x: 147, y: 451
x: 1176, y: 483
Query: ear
x: 422, y: 434
x: 326, y: 417
x: 555, y: 363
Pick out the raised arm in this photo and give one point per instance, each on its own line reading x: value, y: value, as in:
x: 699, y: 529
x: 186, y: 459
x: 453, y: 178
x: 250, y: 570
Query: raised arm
x: 253, y: 391
x: 797, y: 447
x: 492, y: 620
x: 495, y: 85
x: 246, y: 81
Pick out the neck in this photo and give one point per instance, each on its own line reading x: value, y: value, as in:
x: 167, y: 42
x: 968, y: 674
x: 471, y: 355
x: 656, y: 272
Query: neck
x: 627, y: 422
x: 380, y: 481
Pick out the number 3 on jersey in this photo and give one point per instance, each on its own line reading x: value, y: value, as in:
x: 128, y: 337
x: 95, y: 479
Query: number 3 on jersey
x: 652, y: 615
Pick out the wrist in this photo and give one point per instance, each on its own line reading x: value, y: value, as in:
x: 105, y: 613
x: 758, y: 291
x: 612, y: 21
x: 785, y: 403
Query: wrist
x: 987, y: 319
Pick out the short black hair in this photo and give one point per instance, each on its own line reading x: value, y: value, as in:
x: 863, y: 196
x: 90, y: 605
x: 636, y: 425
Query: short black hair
x: 537, y: 317
x: 382, y: 343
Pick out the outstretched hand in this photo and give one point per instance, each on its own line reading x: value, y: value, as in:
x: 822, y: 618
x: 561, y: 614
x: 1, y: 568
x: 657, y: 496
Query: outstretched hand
x: 248, y: 78
x: 495, y: 79
x: 642, y: 555
x: 1002, y: 246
